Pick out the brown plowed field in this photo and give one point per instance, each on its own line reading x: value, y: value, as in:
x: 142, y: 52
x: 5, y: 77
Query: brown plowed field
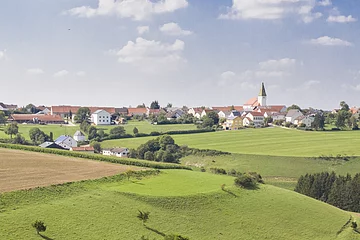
x: 23, y: 170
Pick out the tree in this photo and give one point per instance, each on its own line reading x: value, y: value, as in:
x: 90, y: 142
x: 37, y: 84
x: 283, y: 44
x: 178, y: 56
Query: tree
x: 18, y: 139
x: 294, y: 106
x: 232, y: 108
x: 207, y: 122
x: 169, y: 105
x: 119, y: 131
x: 84, y: 126
x: 155, y: 105
x: 92, y: 132
x: 37, y: 136
x: 83, y: 114
x: 344, y: 106
x: 12, y: 129
x: 143, y: 216
x: 342, y: 119
x: 166, y: 140
x: 101, y: 133
x: 51, y: 137
x: 141, y: 106
x: 96, y: 146
x: 2, y: 118
x: 31, y: 108
x: 245, y: 181
x: 214, y: 116
x: 70, y: 114
x: 39, y: 226
x: 353, y: 122
x: 319, y: 122
x: 149, y: 156
x: 135, y: 130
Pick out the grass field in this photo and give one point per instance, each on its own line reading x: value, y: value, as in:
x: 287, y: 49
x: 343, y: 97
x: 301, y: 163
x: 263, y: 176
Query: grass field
x: 267, y: 141
x: 184, y: 202
x: 57, y: 130
x: 23, y: 170
x: 282, y: 171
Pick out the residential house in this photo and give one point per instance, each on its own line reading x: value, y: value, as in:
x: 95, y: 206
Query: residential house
x: 79, y: 136
x: 292, y: 115
x: 235, y: 113
x: 8, y: 107
x: 84, y: 149
x: 44, y: 110
x: 36, y: 119
x: 275, y: 115
x: 255, y: 118
x: 233, y: 123
x: 52, y: 145
x: 65, y: 111
x: 101, y: 117
x: 205, y: 112
x: 224, y: 114
x: 355, y: 111
x: 251, y: 104
x: 307, y: 120
x: 118, y: 152
x: 122, y: 111
x: 175, y: 114
x: 155, y: 112
x: 66, y: 142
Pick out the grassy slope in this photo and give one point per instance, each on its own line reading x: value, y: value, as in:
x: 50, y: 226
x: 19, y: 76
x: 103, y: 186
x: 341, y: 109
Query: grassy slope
x: 278, y: 170
x: 268, y: 141
x: 143, y: 127
x: 108, y: 211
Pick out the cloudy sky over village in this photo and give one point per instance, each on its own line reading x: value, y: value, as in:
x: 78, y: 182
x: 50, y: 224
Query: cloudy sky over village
x: 187, y: 52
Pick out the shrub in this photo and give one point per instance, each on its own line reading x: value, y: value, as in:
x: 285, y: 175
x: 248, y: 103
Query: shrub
x: 141, y: 135
x: 39, y: 226
x: 218, y: 171
x: 354, y: 225
x: 202, y: 169
x: 155, y: 134
x: 245, y: 181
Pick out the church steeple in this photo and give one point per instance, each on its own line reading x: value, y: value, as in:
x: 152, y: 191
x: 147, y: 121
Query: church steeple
x: 262, y: 95
x: 262, y: 92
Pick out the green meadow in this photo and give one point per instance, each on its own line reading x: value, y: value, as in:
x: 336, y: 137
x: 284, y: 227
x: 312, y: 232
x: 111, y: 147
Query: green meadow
x: 185, y: 202
x: 57, y: 130
x: 266, y: 141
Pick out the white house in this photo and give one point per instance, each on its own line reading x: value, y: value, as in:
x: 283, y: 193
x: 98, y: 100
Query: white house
x: 224, y: 114
x: 292, y: 115
x: 118, y: 152
x: 66, y: 142
x: 101, y: 117
x: 275, y: 116
x: 307, y: 120
x: 79, y: 136
x: 254, y: 117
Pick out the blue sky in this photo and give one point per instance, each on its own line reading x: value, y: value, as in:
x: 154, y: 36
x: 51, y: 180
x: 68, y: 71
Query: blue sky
x: 187, y: 52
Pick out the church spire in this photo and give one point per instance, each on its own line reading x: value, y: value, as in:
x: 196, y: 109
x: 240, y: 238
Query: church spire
x: 262, y: 92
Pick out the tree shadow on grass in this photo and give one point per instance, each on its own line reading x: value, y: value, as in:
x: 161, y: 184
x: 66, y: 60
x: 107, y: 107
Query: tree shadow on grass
x: 45, y: 237
x: 155, y: 231
x: 230, y: 192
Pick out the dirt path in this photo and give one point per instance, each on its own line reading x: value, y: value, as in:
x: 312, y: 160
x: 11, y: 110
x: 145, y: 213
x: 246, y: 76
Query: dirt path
x: 23, y: 170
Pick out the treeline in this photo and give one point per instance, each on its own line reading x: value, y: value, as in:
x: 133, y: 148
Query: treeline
x: 164, y: 149
x: 340, y: 191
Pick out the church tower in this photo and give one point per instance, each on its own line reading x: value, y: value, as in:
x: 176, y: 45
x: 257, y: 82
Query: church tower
x: 262, y: 96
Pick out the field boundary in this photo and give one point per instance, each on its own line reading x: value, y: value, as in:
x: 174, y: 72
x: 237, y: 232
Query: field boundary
x: 124, y: 161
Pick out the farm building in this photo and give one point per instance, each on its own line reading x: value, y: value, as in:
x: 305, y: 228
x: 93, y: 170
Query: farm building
x: 118, y: 152
x: 138, y: 111
x: 101, y: 117
x: 51, y: 145
x: 79, y: 136
x: 66, y: 142
x: 292, y: 115
x: 36, y: 119
x: 83, y: 149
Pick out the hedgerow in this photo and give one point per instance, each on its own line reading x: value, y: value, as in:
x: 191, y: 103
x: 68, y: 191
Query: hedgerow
x: 124, y: 161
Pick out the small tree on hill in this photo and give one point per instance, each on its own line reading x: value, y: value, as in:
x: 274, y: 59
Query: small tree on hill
x: 12, y: 129
x: 135, y: 130
x: 96, y: 146
x: 245, y: 181
x: 143, y: 216
x: 39, y: 226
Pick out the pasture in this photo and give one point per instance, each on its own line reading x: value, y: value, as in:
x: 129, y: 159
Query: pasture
x: 266, y: 141
x: 108, y: 210
x: 23, y: 170
x: 57, y: 130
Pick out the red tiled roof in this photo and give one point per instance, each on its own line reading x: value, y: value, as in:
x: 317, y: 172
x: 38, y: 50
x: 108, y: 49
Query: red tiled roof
x: 74, y: 109
x: 252, y: 102
x: 40, y: 117
x: 83, y: 149
x: 137, y: 110
x: 256, y: 114
x: 354, y: 110
x: 239, y: 108
x: 272, y: 108
x: 224, y: 109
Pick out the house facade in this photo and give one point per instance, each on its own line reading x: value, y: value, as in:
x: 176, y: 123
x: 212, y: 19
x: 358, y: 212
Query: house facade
x: 255, y: 117
x: 233, y: 123
x: 101, y: 117
x: 292, y: 115
x: 307, y: 120
x: 117, y: 152
x: 79, y: 136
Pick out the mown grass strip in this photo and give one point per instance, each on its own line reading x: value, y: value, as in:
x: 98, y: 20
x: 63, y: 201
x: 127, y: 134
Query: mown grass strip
x: 124, y: 161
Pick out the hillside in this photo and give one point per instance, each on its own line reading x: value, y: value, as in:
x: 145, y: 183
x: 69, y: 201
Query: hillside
x: 184, y: 202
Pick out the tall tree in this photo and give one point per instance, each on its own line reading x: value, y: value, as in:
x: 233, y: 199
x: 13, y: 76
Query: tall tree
x: 169, y: 105
x: 12, y: 129
x: 83, y: 114
x: 2, y: 118
x: 214, y: 116
x: 319, y: 121
x: 294, y: 106
x: 37, y: 136
x: 141, y: 106
x: 344, y: 106
x: 155, y: 105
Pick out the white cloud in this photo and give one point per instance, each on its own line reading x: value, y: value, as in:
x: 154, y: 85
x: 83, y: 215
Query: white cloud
x: 274, y: 74
x: 226, y: 78
x: 328, y: 41
x: 311, y: 83
x: 174, y: 29
x: 80, y: 73
x: 2, y: 55
x: 134, y: 9
x: 325, y: 3
x: 272, y: 9
x: 278, y: 64
x: 35, y: 71
x: 341, y: 19
x: 61, y: 73
x: 143, y: 29
x: 152, y: 55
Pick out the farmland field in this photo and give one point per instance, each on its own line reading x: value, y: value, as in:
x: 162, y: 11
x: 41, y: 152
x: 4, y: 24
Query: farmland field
x: 23, y: 170
x: 267, y: 141
x: 196, y: 208
x: 57, y: 130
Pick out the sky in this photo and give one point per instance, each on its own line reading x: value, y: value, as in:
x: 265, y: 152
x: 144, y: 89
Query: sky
x: 185, y: 52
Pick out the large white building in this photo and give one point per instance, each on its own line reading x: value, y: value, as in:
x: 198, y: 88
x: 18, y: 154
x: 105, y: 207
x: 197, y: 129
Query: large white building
x: 117, y: 152
x: 101, y: 117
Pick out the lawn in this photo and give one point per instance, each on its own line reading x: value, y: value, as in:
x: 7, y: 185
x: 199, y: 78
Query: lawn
x: 178, y: 202
x: 57, y: 130
x: 267, y: 141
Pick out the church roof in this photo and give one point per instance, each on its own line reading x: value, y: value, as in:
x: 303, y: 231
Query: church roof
x: 262, y: 92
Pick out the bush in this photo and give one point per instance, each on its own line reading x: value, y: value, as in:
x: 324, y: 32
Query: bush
x: 218, y: 171
x: 155, y: 134
x: 141, y: 135
x: 245, y: 181
x: 39, y: 226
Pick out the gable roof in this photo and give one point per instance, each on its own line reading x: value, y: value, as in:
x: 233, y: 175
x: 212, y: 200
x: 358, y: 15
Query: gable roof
x: 252, y: 102
x: 272, y: 108
x: 116, y: 149
x: 256, y: 114
x: 100, y: 111
x: 39, y: 117
x: 79, y: 149
x: 74, y: 109
x: 293, y: 112
x: 79, y: 134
